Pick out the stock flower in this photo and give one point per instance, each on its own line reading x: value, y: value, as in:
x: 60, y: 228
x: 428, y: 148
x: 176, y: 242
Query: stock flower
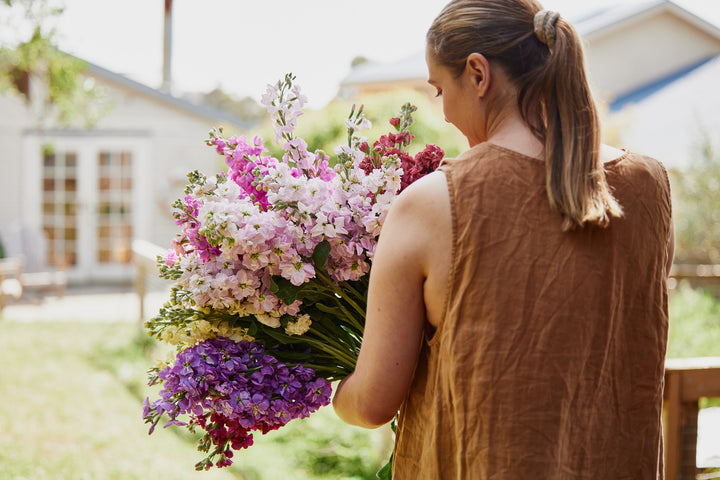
x: 425, y: 162
x: 272, y: 243
x: 299, y: 325
x: 230, y: 389
x: 269, y: 320
x: 297, y: 271
x: 170, y: 258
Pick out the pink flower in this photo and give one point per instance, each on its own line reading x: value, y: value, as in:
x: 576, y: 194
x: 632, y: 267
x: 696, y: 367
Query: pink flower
x: 265, y: 302
x: 297, y: 271
x: 256, y: 258
x: 245, y: 284
x: 170, y: 258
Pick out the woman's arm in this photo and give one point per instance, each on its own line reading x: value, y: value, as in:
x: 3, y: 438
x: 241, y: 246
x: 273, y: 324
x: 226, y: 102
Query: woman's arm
x: 395, y: 319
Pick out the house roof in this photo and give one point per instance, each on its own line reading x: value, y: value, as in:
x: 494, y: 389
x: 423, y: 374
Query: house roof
x: 645, y: 91
x: 408, y: 68
x: 609, y: 19
x: 167, y: 99
x: 669, y: 121
x: 593, y: 25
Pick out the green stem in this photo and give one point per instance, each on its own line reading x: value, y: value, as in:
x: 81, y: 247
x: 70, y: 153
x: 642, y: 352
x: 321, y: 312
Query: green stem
x: 345, y: 339
x: 348, y: 287
x: 353, y: 321
x: 328, y: 281
x: 339, y: 355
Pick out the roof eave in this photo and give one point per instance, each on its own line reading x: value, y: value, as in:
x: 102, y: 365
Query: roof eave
x: 589, y: 31
x: 211, y: 114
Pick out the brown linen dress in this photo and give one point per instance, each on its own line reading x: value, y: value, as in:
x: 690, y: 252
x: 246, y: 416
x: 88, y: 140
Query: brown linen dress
x: 549, y: 360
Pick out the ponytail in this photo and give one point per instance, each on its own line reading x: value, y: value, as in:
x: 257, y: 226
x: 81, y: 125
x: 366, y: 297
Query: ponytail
x: 575, y: 178
x: 542, y: 54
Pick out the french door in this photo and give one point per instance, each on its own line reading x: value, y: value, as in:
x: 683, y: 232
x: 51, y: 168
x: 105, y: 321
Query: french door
x: 88, y: 204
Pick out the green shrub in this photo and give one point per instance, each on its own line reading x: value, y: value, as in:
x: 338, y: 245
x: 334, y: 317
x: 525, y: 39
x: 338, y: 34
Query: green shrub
x: 696, y: 196
x: 694, y: 323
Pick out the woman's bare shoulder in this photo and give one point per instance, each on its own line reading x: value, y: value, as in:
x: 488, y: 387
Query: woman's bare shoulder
x: 429, y: 192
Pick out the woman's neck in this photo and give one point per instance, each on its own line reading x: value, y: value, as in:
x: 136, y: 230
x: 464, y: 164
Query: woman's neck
x: 513, y: 133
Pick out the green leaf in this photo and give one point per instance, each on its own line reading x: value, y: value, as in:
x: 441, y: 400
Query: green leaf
x: 252, y: 329
x: 385, y: 473
x: 321, y: 254
x: 284, y: 289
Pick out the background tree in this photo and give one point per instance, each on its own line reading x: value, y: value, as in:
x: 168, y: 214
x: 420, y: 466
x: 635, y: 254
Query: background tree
x: 324, y: 129
x: 244, y: 108
x: 696, y: 206
x: 30, y: 50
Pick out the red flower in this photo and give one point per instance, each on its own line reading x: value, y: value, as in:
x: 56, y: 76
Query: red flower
x: 367, y: 165
x: 424, y: 162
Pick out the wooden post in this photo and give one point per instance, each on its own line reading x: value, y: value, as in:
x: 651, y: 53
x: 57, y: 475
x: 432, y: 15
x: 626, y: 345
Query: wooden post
x: 687, y: 380
x: 671, y: 411
x: 688, y: 440
x: 141, y: 288
x: 145, y: 256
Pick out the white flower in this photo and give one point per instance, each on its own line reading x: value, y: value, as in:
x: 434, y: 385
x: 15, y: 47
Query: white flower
x: 322, y: 227
x: 299, y: 325
x: 269, y: 320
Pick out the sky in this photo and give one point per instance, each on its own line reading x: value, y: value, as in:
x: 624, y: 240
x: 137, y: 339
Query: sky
x: 242, y: 45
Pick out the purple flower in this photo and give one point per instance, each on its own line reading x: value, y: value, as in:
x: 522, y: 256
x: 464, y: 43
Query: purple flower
x: 239, y: 388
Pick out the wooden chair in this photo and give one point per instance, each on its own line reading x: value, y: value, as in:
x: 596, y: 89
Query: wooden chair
x: 27, y: 265
x: 10, y: 286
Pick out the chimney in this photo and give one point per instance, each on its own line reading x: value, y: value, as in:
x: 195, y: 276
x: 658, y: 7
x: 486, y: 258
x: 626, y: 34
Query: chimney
x: 167, y: 48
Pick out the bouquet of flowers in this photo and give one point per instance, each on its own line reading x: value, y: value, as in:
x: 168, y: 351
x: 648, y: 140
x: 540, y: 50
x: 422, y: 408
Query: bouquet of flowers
x: 271, y: 270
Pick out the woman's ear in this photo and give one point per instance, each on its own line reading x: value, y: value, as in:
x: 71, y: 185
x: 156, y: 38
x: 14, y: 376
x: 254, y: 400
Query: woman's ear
x: 478, y: 68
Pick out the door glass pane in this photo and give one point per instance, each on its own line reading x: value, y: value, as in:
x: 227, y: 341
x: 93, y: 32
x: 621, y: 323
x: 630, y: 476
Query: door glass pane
x: 59, y: 207
x: 114, y: 212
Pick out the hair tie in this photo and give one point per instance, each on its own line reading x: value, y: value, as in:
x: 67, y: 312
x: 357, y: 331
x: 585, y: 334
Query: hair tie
x: 544, y: 23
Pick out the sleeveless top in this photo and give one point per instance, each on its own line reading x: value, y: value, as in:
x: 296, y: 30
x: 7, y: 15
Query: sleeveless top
x: 549, y: 360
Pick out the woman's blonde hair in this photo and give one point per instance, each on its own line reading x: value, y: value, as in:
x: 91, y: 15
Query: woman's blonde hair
x: 543, y: 56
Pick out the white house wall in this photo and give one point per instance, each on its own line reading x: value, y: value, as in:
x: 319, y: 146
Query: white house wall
x: 176, y: 146
x: 13, y: 118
